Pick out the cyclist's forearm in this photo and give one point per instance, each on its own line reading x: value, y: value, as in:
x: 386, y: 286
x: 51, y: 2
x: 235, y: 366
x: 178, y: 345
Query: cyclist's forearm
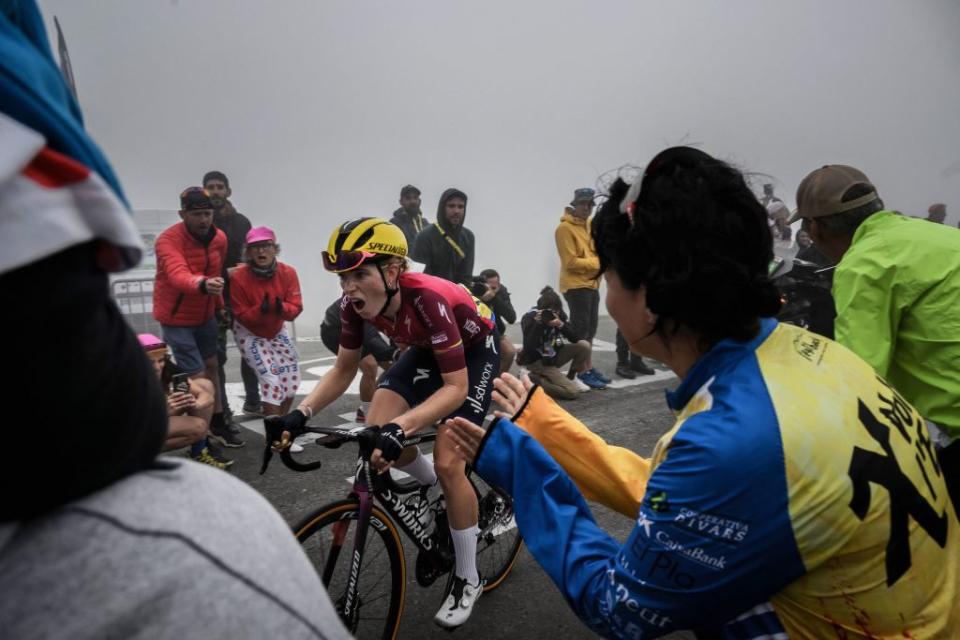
x: 331, y: 386
x: 441, y: 404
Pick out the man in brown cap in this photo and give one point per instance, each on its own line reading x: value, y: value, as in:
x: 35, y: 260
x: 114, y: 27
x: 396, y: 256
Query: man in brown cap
x: 896, y: 289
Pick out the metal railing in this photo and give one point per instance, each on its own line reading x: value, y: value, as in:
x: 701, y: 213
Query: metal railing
x: 134, y: 297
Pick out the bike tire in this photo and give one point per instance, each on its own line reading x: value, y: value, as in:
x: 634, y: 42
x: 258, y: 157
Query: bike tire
x: 499, y: 543
x: 382, y: 578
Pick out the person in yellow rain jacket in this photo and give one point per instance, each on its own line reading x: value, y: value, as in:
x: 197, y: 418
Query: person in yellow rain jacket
x: 579, y: 266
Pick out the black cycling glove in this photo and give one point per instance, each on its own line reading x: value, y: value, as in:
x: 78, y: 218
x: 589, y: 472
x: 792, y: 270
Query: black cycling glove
x: 265, y: 305
x: 390, y: 441
x: 294, y: 422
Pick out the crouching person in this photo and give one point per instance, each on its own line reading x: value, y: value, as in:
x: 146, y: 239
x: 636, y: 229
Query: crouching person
x: 264, y: 293
x: 189, y: 410
x: 549, y: 343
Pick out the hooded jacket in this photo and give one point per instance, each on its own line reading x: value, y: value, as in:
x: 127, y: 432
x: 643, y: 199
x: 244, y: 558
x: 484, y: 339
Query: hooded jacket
x: 434, y: 245
x: 410, y: 225
x: 579, y: 263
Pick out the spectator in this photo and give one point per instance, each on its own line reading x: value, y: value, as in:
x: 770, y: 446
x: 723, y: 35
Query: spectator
x: 409, y: 217
x: 189, y: 411
x: 264, y: 294
x: 235, y: 226
x: 187, y: 291
x: 375, y: 352
x: 748, y: 526
x: 779, y: 215
x: 579, y: 267
x: 937, y: 213
x: 103, y: 539
x: 896, y: 289
x: 808, y: 251
x: 628, y: 364
x: 549, y: 343
x: 495, y: 295
x: 447, y: 247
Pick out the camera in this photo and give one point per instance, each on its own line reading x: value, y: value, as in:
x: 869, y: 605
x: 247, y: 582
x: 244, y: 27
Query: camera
x: 478, y: 286
x: 548, y: 315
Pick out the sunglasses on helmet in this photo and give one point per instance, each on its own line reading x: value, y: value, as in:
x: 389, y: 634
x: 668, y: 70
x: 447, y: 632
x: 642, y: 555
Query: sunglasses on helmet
x: 345, y: 260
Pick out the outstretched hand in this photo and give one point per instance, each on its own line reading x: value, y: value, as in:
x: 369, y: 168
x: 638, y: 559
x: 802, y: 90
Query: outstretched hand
x: 466, y: 437
x: 510, y: 393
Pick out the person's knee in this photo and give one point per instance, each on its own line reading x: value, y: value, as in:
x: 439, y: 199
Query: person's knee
x: 581, y: 348
x: 204, y: 385
x: 368, y: 367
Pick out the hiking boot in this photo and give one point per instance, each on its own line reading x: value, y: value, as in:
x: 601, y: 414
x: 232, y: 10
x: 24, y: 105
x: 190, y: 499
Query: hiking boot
x: 227, y: 438
x: 591, y: 381
x: 255, y: 410
x: 599, y: 376
x: 638, y: 365
x: 624, y: 371
x: 458, y: 603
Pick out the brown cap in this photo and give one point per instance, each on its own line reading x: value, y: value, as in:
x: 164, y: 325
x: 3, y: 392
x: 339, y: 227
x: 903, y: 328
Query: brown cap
x: 821, y: 192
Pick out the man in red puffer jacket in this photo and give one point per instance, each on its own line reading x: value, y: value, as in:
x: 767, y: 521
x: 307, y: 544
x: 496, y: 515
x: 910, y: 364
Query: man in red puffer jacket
x: 187, y: 294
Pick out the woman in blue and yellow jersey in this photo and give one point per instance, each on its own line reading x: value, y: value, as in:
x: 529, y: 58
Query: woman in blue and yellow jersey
x: 797, y: 495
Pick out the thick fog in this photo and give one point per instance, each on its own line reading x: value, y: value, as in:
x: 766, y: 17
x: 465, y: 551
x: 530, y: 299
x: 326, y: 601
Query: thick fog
x: 320, y: 111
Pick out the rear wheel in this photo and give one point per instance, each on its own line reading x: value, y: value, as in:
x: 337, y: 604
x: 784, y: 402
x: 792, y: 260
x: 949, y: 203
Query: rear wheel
x: 498, y: 544
x: 327, y: 537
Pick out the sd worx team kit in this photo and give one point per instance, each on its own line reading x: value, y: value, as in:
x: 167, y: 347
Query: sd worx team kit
x: 797, y: 496
x: 446, y: 329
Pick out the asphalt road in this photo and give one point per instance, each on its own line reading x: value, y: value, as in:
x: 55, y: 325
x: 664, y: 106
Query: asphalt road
x: 527, y: 605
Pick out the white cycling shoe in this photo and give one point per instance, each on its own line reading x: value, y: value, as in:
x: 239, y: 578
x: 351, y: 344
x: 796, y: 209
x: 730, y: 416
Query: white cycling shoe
x: 458, y: 605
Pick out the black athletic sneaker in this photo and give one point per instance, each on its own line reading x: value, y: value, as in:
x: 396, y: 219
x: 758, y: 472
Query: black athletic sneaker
x: 226, y: 437
x: 624, y: 371
x: 638, y: 365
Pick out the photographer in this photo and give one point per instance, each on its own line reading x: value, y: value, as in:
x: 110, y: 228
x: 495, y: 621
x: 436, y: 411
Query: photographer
x: 491, y: 292
x: 549, y: 343
x: 189, y: 402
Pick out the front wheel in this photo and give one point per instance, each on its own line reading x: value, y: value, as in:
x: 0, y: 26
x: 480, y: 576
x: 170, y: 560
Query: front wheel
x: 327, y: 537
x: 499, y: 542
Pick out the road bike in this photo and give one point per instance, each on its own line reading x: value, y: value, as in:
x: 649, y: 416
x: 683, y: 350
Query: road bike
x: 367, y: 584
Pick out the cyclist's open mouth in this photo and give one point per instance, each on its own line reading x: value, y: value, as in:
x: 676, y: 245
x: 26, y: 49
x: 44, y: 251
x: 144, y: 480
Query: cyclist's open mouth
x: 357, y: 303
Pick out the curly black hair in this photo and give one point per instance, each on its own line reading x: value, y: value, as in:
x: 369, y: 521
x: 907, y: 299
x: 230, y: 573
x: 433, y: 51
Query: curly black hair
x: 697, y: 238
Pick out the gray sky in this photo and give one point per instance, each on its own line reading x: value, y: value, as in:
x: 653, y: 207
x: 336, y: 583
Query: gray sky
x: 320, y: 111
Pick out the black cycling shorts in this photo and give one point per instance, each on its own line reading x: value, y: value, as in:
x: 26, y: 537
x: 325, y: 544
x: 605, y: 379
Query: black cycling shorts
x: 415, y: 376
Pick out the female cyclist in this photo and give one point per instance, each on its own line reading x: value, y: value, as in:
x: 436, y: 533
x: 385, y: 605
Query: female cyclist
x: 447, y: 370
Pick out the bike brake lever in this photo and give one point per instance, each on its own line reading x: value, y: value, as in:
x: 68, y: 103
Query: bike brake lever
x: 267, y: 455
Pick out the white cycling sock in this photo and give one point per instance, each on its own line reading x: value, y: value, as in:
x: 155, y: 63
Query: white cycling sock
x: 365, y: 407
x: 465, y: 548
x: 421, y: 469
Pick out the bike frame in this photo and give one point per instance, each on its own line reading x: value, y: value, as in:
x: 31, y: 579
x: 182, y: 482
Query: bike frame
x: 387, y: 492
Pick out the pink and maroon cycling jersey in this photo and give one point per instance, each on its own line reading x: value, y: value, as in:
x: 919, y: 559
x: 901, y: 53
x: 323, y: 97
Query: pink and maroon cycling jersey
x: 435, y: 314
